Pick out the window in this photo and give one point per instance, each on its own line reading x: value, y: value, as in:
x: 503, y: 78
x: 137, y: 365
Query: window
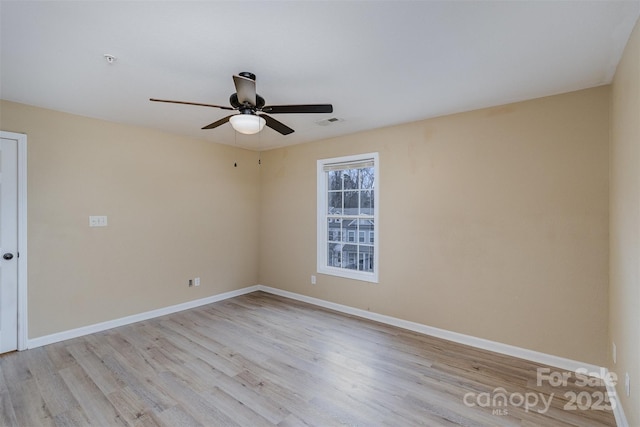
x: 347, y: 217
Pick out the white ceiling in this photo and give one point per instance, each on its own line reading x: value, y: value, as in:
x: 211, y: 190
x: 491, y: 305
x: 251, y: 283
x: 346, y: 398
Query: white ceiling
x: 379, y: 63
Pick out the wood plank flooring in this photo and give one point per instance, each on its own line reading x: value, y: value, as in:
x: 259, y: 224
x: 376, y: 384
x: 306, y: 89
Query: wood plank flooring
x: 264, y: 360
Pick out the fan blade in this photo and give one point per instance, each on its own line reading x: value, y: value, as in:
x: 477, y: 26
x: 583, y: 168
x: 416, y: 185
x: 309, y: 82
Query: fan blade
x: 276, y: 125
x: 290, y: 109
x: 246, y: 89
x: 218, y: 123
x: 190, y: 103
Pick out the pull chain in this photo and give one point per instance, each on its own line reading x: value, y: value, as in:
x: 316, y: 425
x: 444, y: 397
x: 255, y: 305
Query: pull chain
x: 235, y: 144
x: 259, y: 148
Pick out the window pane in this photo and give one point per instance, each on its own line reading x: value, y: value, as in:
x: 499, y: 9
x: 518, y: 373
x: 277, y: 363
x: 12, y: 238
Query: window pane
x: 335, y: 203
x: 361, y: 237
x: 338, y: 226
x: 366, y: 202
x: 351, y: 202
x: 370, y: 266
x: 334, y: 232
x: 365, y: 258
x: 362, y: 261
x: 366, y: 225
x: 373, y: 199
x: 334, y: 255
x: 350, y: 177
x: 335, y: 180
x: 349, y: 229
x: 350, y: 257
x: 367, y: 178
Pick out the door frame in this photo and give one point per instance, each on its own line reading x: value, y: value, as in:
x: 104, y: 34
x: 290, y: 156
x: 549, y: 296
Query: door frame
x: 23, y: 336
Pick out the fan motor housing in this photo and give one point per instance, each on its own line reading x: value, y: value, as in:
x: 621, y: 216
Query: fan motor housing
x: 233, y: 100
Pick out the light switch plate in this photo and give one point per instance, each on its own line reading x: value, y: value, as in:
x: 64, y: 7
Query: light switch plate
x: 627, y: 384
x: 97, y: 221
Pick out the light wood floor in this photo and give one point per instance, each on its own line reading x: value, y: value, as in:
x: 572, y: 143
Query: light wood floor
x: 263, y: 360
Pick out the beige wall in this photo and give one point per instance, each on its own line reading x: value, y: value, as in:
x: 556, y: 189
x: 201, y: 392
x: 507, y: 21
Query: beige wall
x: 176, y: 207
x: 493, y: 223
x: 624, y: 291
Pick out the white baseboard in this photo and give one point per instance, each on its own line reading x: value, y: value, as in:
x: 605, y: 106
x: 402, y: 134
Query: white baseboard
x: 510, y: 350
x: 98, y: 327
x: 535, y: 356
x: 618, y: 412
x: 522, y: 353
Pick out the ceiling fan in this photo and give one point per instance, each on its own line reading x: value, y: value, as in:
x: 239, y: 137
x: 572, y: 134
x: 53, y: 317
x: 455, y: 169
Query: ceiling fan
x: 248, y: 103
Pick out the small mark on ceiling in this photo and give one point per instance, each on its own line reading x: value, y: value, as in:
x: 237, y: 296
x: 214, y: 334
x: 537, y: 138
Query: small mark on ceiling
x: 110, y: 58
x: 329, y: 121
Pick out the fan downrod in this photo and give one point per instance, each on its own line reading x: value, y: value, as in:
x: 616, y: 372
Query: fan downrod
x: 248, y: 75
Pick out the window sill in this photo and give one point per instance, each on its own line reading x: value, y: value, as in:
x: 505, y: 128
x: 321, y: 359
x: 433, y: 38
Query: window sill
x: 349, y: 274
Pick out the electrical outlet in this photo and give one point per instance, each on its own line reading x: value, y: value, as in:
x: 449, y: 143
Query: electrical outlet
x: 97, y: 221
x: 313, y: 280
x: 614, y: 353
x: 197, y: 281
x: 190, y: 283
x: 627, y: 384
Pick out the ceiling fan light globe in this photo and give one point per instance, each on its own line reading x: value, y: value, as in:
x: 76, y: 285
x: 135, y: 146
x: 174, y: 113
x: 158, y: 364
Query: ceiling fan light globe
x: 247, y: 124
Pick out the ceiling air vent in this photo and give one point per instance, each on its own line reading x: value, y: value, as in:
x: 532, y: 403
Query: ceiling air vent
x: 330, y: 121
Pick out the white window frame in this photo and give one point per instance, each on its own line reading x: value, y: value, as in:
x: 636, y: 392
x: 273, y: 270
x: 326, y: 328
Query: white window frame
x: 322, y: 238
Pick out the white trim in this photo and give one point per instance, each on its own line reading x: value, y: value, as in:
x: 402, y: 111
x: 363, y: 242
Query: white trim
x: 23, y: 335
x: 618, y: 411
x: 321, y: 218
x: 21, y: 139
x: 509, y: 350
x: 98, y: 327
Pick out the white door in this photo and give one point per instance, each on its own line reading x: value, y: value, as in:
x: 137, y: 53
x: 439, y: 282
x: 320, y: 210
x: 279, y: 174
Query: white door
x: 8, y: 245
